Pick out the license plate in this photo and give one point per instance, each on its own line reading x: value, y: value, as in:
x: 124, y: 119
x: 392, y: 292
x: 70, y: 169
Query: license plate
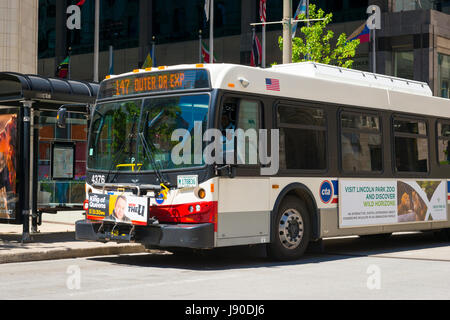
x: 187, y: 181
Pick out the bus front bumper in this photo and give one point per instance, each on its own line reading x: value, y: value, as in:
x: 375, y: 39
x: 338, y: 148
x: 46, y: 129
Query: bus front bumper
x: 196, y: 236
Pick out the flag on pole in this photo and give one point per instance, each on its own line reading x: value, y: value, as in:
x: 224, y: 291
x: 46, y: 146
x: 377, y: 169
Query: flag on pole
x: 205, y: 53
x: 301, y: 9
x: 255, y: 59
x: 262, y: 10
x: 148, y: 63
x: 362, y: 33
x: 62, y: 70
x: 207, y: 9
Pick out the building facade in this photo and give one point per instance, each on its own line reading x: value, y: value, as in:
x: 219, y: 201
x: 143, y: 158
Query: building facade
x: 18, y: 35
x: 414, y: 40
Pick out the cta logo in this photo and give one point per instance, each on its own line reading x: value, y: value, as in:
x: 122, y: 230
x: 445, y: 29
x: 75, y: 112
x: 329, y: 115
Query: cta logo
x: 326, y: 192
x: 159, y: 199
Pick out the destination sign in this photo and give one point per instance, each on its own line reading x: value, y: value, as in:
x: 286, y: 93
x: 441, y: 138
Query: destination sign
x: 154, y: 82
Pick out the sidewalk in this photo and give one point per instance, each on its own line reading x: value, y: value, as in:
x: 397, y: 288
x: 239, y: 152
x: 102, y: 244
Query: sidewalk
x: 55, y: 240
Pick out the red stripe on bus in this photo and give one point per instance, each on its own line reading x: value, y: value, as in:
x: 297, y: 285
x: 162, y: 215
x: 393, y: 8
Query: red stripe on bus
x: 95, y: 218
x: 139, y: 223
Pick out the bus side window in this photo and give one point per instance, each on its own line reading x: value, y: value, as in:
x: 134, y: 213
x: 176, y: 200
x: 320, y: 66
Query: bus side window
x: 411, y: 145
x: 303, y: 133
x: 361, y: 142
x: 444, y: 143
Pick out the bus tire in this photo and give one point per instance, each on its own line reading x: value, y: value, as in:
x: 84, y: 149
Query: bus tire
x: 290, y: 231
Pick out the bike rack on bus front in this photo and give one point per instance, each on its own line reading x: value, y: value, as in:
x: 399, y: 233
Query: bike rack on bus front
x: 138, y: 188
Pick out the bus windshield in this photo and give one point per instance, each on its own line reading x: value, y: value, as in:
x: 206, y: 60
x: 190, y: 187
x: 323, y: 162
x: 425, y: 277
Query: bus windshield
x: 136, y: 135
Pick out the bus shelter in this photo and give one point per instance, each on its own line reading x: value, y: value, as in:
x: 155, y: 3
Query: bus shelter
x: 42, y: 166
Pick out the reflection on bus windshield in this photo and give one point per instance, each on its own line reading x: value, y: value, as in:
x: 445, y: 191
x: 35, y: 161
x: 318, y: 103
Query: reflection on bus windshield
x: 135, y: 136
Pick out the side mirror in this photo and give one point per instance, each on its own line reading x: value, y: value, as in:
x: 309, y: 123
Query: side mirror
x: 61, y: 117
x: 230, y: 170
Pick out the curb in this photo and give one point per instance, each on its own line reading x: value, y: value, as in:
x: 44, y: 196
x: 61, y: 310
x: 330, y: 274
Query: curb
x: 61, y: 248
x: 69, y: 253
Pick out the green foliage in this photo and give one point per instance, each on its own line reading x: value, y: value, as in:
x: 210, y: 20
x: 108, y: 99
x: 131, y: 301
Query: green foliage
x: 316, y: 42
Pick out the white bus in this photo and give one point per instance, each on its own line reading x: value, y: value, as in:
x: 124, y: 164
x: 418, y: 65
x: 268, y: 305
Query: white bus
x: 357, y: 153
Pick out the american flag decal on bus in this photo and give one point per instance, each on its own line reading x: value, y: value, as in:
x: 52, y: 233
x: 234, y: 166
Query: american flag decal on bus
x: 272, y: 84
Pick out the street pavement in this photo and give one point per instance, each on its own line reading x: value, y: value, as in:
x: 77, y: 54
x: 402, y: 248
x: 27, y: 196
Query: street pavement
x: 405, y: 267
x: 55, y: 240
x: 55, y: 266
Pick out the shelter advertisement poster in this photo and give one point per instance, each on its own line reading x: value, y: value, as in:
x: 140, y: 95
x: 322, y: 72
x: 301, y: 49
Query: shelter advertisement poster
x: 118, y: 208
x: 8, y: 166
x: 63, y: 162
x: 381, y: 202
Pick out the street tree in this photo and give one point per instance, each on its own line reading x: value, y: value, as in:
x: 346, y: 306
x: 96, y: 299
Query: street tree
x: 315, y: 43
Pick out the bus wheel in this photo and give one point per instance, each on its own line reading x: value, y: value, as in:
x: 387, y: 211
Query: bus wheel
x: 291, y: 230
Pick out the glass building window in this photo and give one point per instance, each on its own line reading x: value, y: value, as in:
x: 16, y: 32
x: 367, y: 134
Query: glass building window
x: 408, y: 5
x: 302, y: 138
x: 404, y: 64
x: 444, y: 75
x: 411, y: 145
x: 119, y: 26
x: 361, y: 144
x: 173, y: 20
x: 47, y: 27
x: 343, y: 10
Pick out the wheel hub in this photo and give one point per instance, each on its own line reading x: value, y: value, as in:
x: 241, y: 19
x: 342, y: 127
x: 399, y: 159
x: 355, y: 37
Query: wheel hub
x: 291, y: 229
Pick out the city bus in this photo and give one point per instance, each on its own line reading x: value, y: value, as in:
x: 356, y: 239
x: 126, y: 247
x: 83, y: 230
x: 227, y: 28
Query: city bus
x: 217, y: 155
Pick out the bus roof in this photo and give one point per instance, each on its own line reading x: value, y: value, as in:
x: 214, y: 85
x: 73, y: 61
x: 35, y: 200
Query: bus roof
x: 325, y: 83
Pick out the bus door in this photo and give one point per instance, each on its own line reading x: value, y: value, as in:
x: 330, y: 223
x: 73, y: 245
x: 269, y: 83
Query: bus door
x: 243, y: 212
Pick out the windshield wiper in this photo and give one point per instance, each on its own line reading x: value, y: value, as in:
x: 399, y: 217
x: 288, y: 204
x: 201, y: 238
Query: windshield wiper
x: 147, y: 148
x: 149, y: 155
x: 122, y: 148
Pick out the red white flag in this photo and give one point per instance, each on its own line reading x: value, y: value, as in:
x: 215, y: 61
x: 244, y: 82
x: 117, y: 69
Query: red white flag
x: 262, y: 10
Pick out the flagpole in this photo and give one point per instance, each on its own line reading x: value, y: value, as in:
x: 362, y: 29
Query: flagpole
x: 307, y: 11
x: 308, y: 56
x: 374, y: 53
x: 69, y: 67
x: 263, y: 18
x: 253, y: 53
x: 111, y: 60
x: 211, y: 33
x: 96, y: 39
x: 153, y: 51
x: 287, y: 31
x: 200, y: 57
x: 263, y: 60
